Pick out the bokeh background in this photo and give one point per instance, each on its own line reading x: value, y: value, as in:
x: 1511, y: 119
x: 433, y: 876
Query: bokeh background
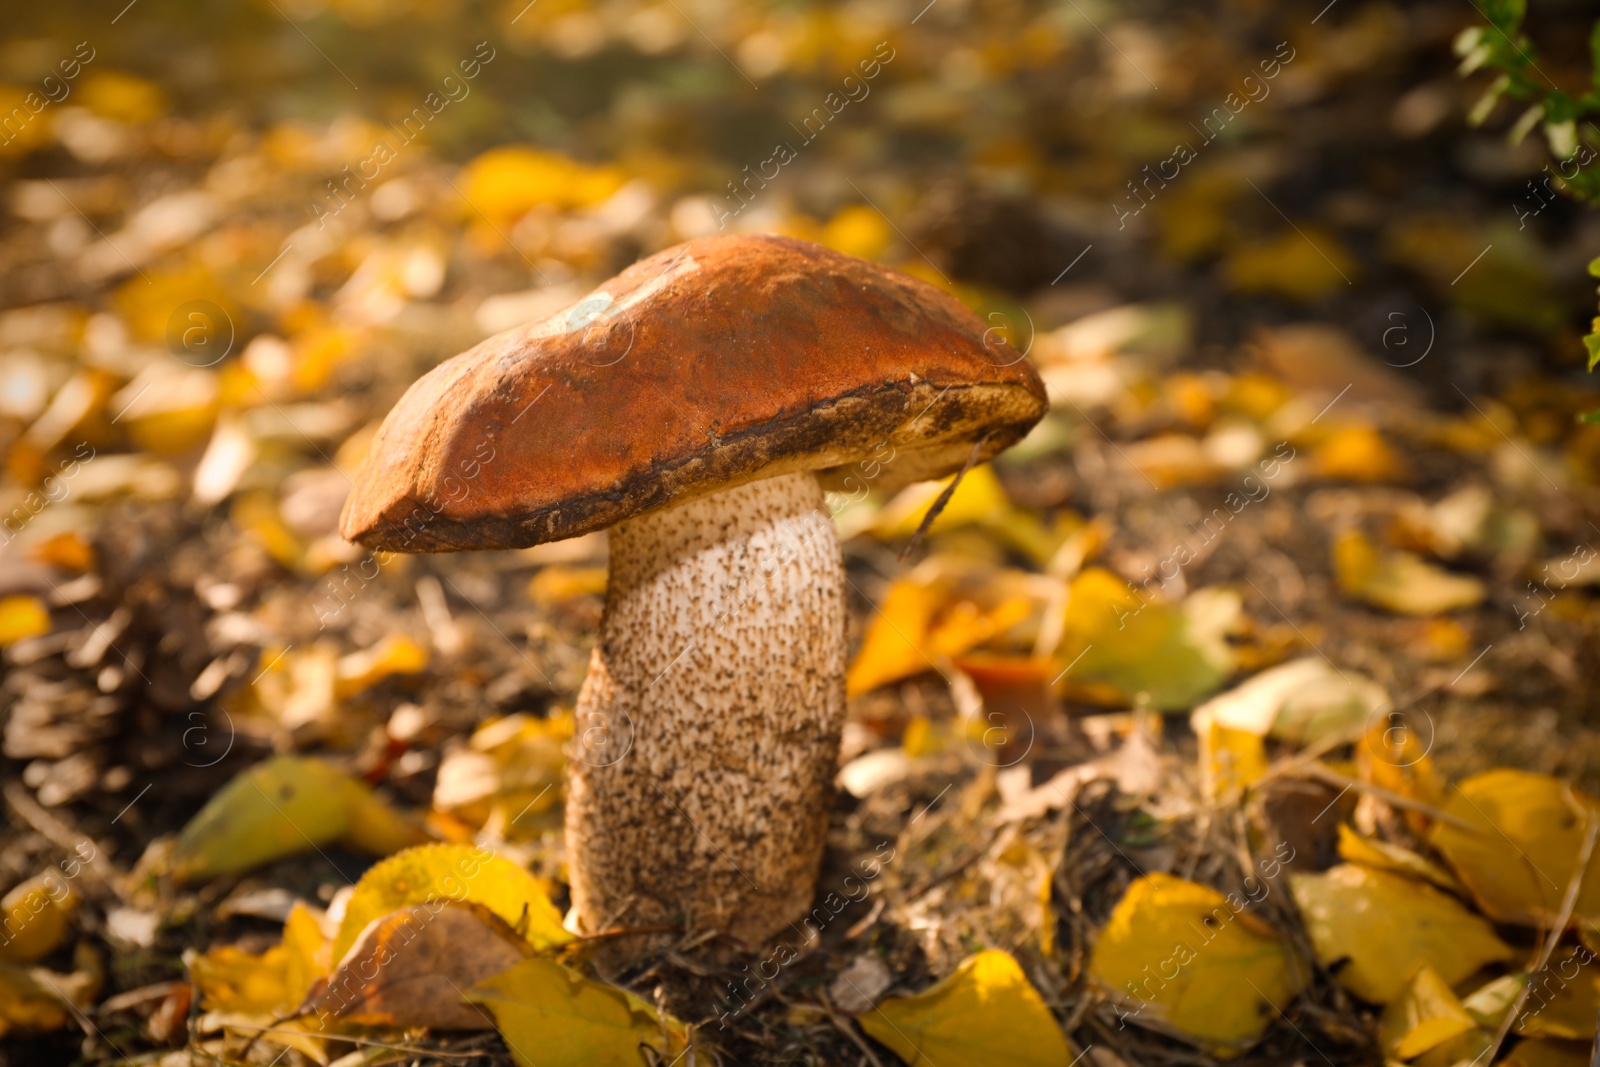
x: 232, y: 234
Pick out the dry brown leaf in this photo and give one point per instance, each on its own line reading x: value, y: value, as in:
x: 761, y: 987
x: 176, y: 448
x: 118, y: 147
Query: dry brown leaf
x: 420, y: 960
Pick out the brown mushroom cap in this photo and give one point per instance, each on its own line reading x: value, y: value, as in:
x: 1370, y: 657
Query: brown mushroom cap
x: 717, y: 362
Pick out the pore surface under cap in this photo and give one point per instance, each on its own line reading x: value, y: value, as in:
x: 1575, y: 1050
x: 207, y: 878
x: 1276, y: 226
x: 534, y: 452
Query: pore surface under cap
x: 709, y: 364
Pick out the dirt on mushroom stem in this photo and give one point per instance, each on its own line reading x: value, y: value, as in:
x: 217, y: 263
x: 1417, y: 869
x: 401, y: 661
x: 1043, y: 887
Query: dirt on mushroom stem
x: 710, y: 719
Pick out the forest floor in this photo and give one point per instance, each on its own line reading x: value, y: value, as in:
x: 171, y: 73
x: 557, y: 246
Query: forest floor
x: 1315, y: 391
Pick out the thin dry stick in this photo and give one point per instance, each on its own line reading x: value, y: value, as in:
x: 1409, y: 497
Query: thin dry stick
x: 1568, y: 903
x: 59, y: 833
x: 1333, y: 777
x: 354, y: 1040
x: 943, y: 499
x: 845, y: 1029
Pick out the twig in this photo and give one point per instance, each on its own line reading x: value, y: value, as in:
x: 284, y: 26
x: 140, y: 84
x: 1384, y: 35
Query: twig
x: 1568, y: 903
x: 57, y: 832
x: 1333, y: 777
x: 845, y: 1029
x: 231, y: 1025
x: 943, y: 499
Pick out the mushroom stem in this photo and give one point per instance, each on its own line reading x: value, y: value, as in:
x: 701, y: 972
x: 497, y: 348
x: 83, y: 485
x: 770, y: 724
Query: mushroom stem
x: 708, y: 726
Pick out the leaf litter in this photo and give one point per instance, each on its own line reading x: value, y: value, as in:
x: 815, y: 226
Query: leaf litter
x: 269, y: 796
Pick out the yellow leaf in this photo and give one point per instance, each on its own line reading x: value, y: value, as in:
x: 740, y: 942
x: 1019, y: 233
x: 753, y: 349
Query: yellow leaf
x: 1302, y: 265
x: 22, y: 617
x: 505, y: 183
x: 551, y: 1016
x: 1397, y: 581
x: 1489, y: 1003
x: 1388, y: 857
x: 557, y: 584
x: 37, y: 914
x: 985, y: 1014
x: 978, y: 497
x: 1215, y: 952
x: 858, y: 230
x: 512, y: 770
x: 1395, y: 757
x: 1463, y: 1050
x: 393, y: 654
x: 256, y: 513
x: 1358, y: 454
x: 456, y: 873
x: 1536, y: 1053
x: 168, y: 409
x: 1518, y: 866
x: 27, y: 1005
x: 124, y: 97
x: 24, y: 137
x: 1230, y: 759
x: 1564, y: 998
x: 891, y: 648
x: 1373, y: 929
x: 1426, y: 1016
x: 1167, y: 656
x: 271, y: 983
x: 282, y: 807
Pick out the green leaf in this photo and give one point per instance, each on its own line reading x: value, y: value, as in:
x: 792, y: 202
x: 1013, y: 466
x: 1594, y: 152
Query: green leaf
x: 1505, y: 15
x: 1592, y: 341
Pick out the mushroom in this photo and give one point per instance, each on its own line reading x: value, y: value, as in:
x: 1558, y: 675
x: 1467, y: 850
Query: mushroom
x: 698, y: 404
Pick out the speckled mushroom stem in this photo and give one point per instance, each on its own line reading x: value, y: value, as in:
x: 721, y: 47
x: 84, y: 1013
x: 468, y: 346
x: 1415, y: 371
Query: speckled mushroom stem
x: 708, y: 726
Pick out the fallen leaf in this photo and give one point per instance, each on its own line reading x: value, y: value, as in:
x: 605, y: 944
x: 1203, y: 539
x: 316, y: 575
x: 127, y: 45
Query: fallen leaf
x: 511, y: 769
x: 1519, y: 864
x: 455, y: 873
x: 1230, y: 759
x: 923, y: 619
x: 857, y: 230
x: 37, y: 915
x: 1212, y: 946
x: 1489, y: 1003
x: 1143, y: 650
x: 1399, y: 581
x: 1358, y: 453
x: 505, y: 183
x: 1304, y: 265
x: 1425, y: 1016
x: 978, y: 501
x: 410, y: 968
x: 281, y: 807
x: 1394, y: 756
x: 271, y: 983
x: 36, y: 1000
x: 1537, y: 1053
x: 1390, y: 857
x: 1325, y: 360
x: 1373, y: 929
x: 22, y: 617
x: 393, y: 654
x: 551, y: 1016
x: 985, y: 1014
x: 558, y: 584
x: 1564, y: 998
x: 1300, y: 702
